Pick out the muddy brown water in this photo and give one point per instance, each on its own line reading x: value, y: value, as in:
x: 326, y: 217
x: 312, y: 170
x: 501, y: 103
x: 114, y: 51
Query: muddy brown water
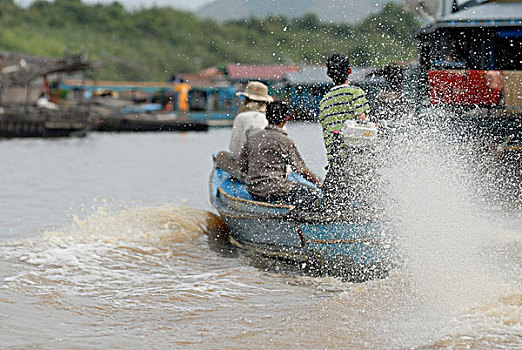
x: 109, y: 242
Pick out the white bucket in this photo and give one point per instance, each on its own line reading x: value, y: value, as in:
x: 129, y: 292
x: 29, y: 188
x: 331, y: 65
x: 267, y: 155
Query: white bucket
x: 356, y: 132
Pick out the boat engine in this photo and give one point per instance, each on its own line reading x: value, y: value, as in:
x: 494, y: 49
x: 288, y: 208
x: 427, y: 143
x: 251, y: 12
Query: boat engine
x: 351, y: 186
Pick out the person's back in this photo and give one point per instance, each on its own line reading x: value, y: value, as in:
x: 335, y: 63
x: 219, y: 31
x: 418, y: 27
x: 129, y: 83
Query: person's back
x: 264, y: 160
x: 390, y: 102
x: 252, y: 115
x: 343, y: 102
x: 251, y: 118
x: 269, y: 151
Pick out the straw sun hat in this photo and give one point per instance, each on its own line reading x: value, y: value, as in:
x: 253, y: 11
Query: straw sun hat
x: 256, y: 91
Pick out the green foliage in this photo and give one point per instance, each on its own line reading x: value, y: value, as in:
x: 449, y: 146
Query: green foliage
x: 155, y: 43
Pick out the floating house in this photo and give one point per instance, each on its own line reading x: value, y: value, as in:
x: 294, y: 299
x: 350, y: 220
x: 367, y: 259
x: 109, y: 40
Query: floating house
x: 243, y: 73
x: 472, y: 56
x: 272, y: 75
x: 306, y: 87
x: 471, y: 63
x: 210, y: 100
x: 30, y: 106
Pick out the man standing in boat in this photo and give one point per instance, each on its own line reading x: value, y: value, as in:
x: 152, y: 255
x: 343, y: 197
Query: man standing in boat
x: 343, y: 102
x: 251, y: 118
x: 266, y: 157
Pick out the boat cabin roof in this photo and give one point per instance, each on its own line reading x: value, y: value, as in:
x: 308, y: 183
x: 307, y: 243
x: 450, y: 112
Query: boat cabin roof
x: 491, y: 14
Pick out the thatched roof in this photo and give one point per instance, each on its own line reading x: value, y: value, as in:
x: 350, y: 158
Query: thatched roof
x: 19, y: 69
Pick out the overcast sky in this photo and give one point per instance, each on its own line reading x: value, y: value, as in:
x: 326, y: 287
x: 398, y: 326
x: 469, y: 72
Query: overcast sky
x: 182, y: 4
x: 131, y: 4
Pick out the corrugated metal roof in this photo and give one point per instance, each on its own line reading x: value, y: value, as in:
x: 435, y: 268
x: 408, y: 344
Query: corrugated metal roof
x: 308, y: 75
x: 491, y: 11
x: 18, y: 69
x: 316, y: 75
x: 491, y: 14
x: 254, y: 72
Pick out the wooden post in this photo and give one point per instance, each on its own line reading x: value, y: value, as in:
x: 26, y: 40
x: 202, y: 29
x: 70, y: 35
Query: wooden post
x: 82, y: 84
x: 26, y: 97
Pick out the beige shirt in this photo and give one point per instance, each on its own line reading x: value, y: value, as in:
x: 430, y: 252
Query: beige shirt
x: 264, y: 159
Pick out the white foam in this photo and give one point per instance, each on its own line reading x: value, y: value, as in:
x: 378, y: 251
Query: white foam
x: 441, y: 223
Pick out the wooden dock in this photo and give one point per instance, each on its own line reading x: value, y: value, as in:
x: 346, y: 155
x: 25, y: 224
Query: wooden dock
x: 30, y: 121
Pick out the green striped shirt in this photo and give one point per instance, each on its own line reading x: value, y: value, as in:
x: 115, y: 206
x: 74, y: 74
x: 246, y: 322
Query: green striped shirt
x: 341, y: 103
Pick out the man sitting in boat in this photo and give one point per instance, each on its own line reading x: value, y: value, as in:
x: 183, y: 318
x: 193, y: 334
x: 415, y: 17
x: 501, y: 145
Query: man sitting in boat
x: 343, y: 102
x: 251, y: 117
x: 265, y: 158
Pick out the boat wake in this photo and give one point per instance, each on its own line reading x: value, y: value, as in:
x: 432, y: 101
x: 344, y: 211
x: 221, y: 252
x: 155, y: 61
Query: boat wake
x: 106, y: 251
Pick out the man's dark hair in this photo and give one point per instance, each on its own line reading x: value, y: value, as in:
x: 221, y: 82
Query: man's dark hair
x: 276, y: 112
x: 338, y: 66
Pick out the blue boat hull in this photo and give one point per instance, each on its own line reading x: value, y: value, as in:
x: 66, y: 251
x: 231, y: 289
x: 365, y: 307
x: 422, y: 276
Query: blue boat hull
x: 273, y: 230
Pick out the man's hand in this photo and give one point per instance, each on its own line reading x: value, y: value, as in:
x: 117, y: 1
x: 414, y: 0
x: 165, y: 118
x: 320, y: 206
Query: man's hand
x: 361, y: 116
x: 310, y: 176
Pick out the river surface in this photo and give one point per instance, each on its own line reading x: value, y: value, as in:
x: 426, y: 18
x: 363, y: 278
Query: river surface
x: 107, y: 242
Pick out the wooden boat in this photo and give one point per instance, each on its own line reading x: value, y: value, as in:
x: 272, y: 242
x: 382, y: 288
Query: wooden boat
x: 147, y: 123
x: 358, y: 250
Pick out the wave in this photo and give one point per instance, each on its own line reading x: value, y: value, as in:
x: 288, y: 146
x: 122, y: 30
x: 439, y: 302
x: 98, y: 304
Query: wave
x: 103, y: 250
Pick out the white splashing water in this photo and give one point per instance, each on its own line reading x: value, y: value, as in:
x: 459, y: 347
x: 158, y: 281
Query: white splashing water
x: 442, y: 224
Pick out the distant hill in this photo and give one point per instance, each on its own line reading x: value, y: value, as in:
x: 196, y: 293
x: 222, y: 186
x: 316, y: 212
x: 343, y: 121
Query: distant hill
x: 154, y: 43
x: 337, y: 11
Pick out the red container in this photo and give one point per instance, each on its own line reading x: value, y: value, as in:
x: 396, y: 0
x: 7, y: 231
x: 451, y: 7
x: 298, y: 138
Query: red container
x: 465, y: 87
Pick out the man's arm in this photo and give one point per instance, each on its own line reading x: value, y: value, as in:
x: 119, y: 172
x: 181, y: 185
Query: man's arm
x: 236, y: 138
x: 301, y: 168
